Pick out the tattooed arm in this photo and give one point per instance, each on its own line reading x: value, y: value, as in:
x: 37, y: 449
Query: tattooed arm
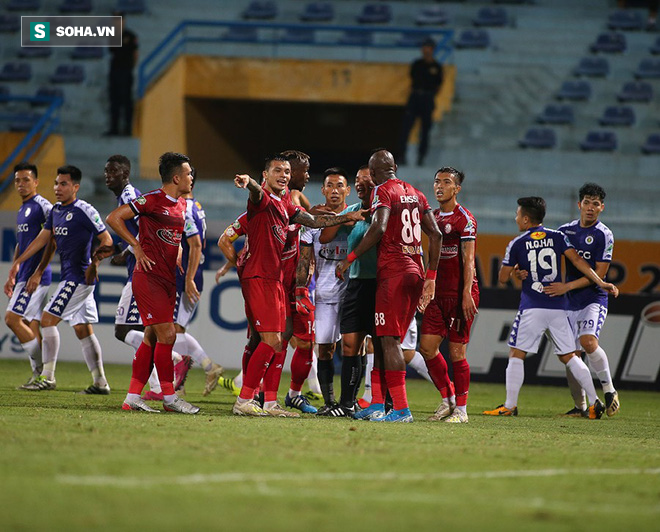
x: 328, y: 220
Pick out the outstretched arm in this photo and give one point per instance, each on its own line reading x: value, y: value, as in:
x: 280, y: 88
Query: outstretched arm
x: 371, y: 238
x: 245, y: 181
x: 327, y: 220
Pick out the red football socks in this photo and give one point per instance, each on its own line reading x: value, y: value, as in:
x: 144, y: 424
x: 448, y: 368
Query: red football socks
x: 256, y: 369
x: 272, y: 377
x: 438, y: 370
x: 461, y: 381
x: 378, y: 387
x: 142, y: 365
x: 396, y: 384
x: 165, y: 367
x: 247, y: 353
x: 300, y: 366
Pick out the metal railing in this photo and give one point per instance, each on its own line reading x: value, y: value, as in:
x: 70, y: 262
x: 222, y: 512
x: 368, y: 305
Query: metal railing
x: 190, y: 31
x: 34, y: 138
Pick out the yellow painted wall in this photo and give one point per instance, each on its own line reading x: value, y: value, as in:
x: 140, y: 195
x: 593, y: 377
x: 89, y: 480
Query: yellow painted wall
x: 162, y: 120
x: 49, y: 157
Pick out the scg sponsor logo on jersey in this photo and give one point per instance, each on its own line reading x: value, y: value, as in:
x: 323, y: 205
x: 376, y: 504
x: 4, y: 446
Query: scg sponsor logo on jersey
x: 169, y: 236
x: 22, y: 228
x: 586, y: 255
x: 61, y: 231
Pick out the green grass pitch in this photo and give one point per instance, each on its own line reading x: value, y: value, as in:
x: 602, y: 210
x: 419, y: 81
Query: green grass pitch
x: 73, y: 462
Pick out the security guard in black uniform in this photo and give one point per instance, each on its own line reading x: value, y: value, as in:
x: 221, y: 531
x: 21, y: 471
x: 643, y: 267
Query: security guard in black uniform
x: 426, y: 76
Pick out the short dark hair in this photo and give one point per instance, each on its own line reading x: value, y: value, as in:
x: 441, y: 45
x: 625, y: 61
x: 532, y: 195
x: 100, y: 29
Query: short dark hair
x: 335, y: 170
x: 295, y: 155
x: 169, y: 163
x: 428, y: 42
x: 120, y: 159
x: 193, y: 172
x: 533, y: 207
x: 458, y: 175
x: 73, y: 171
x: 275, y: 157
x: 593, y: 190
x: 363, y: 167
x: 24, y: 165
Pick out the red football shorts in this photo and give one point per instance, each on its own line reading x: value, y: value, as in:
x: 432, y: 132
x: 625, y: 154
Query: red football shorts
x: 444, y: 317
x: 265, y: 304
x: 396, y: 301
x: 155, y: 297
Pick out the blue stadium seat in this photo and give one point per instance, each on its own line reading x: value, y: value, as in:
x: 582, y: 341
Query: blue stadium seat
x: 599, y: 141
x: 68, y: 73
x: 46, y: 94
x: 23, y: 5
x: 24, y: 121
x: 16, y: 72
x: 609, y: 43
x: 473, y: 39
x: 34, y: 52
x: 87, y: 52
x: 625, y: 20
x: 298, y: 36
x: 375, y: 14
x: 261, y: 10
x: 592, y: 67
x: 9, y: 23
x: 574, y: 90
x: 76, y: 6
x: 655, y: 48
x: 556, y: 114
x: 622, y: 115
x: 652, y: 144
x: 412, y: 39
x: 539, y: 137
x: 356, y: 38
x: 318, y: 12
x: 131, y: 7
x: 636, y: 91
x: 648, y: 69
x: 431, y: 16
x: 491, y: 17
x: 238, y: 34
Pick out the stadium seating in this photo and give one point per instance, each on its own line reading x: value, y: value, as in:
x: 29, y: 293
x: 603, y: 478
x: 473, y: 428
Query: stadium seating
x: 599, y: 141
x: 34, y: 52
x: 264, y: 10
x: 68, y: 73
x: 609, y: 43
x: 46, y: 94
x: 538, y: 137
x: 655, y: 48
x: 625, y: 20
x: 298, y: 36
x: 431, y: 16
x: 412, y: 39
x: 238, y: 34
x: 556, y: 114
x: 375, y: 14
x: 4, y: 91
x: 16, y: 72
x: 87, y: 52
x: 648, y: 69
x: 131, y: 7
x: 574, y: 90
x: 622, y: 115
x: 475, y: 39
x: 24, y: 121
x: 491, y: 17
x: 23, y: 5
x: 318, y: 12
x: 9, y: 23
x: 652, y: 144
x: 76, y: 6
x: 356, y: 38
x: 594, y: 67
x: 636, y: 91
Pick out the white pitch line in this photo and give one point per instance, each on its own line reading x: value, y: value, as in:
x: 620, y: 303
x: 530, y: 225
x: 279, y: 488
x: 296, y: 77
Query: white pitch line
x: 99, y: 480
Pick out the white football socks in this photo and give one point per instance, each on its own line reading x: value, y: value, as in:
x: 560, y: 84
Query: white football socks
x: 50, y: 346
x: 134, y: 339
x: 576, y: 390
x: 599, y: 363
x: 582, y: 374
x: 33, y: 350
x: 418, y: 364
x: 196, y: 351
x: 91, y: 350
x: 515, y: 376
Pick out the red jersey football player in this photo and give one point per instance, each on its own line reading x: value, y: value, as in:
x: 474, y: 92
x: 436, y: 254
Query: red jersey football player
x: 162, y: 216
x: 452, y: 311
x: 400, y: 213
x: 270, y: 212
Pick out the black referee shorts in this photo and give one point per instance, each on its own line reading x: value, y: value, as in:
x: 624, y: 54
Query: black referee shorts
x: 358, y: 306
